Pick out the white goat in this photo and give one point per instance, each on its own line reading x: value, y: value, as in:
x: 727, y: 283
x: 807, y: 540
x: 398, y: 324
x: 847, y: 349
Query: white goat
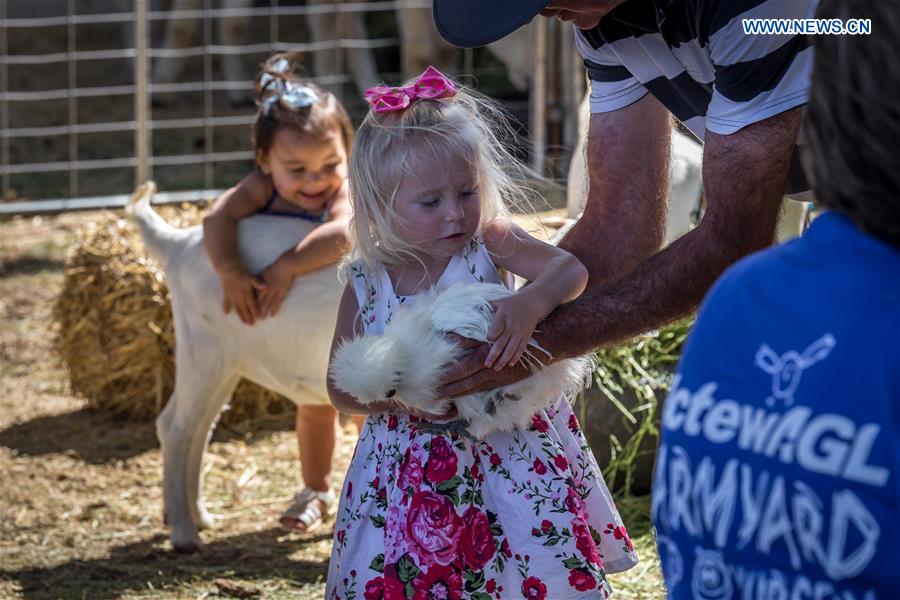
x: 213, y: 351
x: 406, y: 362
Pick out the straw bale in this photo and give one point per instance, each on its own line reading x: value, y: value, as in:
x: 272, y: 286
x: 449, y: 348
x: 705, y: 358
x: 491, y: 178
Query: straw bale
x: 115, y: 331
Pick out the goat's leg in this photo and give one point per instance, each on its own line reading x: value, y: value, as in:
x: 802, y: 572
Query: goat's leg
x: 417, y: 38
x: 183, y: 430
x: 323, y: 29
x: 233, y: 32
x: 179, y: 34
x: 334, y: 26
x: 199, y: 443
x: 362, y: 61
x: 174, y: 439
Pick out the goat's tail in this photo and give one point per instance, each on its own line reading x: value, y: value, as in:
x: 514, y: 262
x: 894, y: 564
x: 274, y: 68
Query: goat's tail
x: 159, y: 237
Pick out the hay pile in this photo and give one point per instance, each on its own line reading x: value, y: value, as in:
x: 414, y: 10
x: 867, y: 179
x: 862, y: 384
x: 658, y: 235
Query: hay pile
x: 620, y: 413
x: 115, y: 331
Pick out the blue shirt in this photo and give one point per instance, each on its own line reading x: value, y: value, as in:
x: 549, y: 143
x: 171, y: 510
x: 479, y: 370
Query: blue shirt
x: 777, y: 473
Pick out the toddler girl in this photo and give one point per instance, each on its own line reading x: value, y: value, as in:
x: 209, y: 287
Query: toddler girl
x: 301, y: 137
x: 428, y: 511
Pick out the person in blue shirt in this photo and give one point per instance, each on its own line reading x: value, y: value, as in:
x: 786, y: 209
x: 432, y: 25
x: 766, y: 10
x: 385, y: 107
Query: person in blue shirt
x: 777, y: 472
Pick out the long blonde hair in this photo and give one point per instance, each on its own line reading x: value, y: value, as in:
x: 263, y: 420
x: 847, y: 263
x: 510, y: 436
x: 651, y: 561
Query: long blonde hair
x: 467, y: 124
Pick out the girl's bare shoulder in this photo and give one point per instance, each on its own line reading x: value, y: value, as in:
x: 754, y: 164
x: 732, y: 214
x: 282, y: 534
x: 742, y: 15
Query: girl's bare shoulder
x: 502, y: 234
x: 258, y: 187
x: 248, y: 197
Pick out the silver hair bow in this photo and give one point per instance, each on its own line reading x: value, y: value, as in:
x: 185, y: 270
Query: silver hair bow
x: 292, y: 94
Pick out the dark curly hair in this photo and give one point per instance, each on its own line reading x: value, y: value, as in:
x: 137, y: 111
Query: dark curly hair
x: 853, y: 118
x: 319, y: 119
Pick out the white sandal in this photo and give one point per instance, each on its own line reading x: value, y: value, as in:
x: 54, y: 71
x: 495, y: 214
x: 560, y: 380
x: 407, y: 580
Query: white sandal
x: 308, y: 510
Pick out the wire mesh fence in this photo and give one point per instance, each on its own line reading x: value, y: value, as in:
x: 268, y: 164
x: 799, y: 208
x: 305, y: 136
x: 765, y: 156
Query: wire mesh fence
x: 97, y: 95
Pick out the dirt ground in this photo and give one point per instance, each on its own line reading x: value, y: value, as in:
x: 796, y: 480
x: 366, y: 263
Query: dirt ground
x: 81, y: 496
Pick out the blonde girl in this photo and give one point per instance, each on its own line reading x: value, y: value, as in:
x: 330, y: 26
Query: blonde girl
x: 428, y: 511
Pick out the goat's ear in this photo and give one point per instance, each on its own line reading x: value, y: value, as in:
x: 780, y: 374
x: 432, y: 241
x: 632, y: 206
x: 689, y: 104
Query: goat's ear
x: 818, y: 350
x: 767, y: 360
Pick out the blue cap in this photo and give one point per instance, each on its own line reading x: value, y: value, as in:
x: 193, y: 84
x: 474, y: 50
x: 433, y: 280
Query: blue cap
x: 472, y: 23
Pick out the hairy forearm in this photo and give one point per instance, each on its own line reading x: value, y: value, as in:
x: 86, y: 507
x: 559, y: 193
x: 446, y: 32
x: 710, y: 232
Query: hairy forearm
x: 624, y: 218
x: 325, y: 245
x: 667, y: 286
x: 745, y: 176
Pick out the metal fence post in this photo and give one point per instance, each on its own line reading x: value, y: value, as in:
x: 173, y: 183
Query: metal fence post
x: 273, y: 26
x: 4, y: 106
x: 537, y: 98
x: 72, y: 65
x: 141, y: 95
x: 207, y: 95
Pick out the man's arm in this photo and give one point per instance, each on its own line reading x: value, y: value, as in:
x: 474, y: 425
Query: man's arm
x: 624, y: 219
x: 745, y: 175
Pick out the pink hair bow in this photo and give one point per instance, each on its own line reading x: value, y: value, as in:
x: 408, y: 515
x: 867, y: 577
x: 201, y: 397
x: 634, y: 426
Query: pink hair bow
x: 430, y: 85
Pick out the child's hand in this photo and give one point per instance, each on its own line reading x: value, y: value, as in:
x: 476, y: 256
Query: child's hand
x: 240, y: 288
x: 514, y: 321
x: 278, y: 280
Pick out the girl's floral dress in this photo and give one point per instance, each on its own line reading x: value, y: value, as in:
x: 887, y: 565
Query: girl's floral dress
x: 429, y: 512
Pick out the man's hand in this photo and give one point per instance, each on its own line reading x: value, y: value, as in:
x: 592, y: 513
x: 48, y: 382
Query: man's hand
x: 469, y: 375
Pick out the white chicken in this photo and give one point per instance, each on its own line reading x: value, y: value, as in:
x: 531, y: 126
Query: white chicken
x: 405, y: 364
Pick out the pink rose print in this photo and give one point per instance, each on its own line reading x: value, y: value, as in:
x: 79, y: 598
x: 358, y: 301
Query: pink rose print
x: 573, y: 423
x: 411, y: 472
x: 490, y: 586
x: 538, y: 422
x: 438, y: 582
x: 374, y: 589
x: 560, y: 461
x: 395, y: 533
x: 534, y: 589
x: 504, y: 548
x: 495, y: 459
x: 477, y: 540
x: 393, y: 587
x: 441, y: 464
x: 620, y: 534
x: 432, y: 529
x: 581, y: 580
x: 539, y: 467
x: 546, y: 525
x: 584, y: 542
x: 574, y: 502
x: 392, y: 422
